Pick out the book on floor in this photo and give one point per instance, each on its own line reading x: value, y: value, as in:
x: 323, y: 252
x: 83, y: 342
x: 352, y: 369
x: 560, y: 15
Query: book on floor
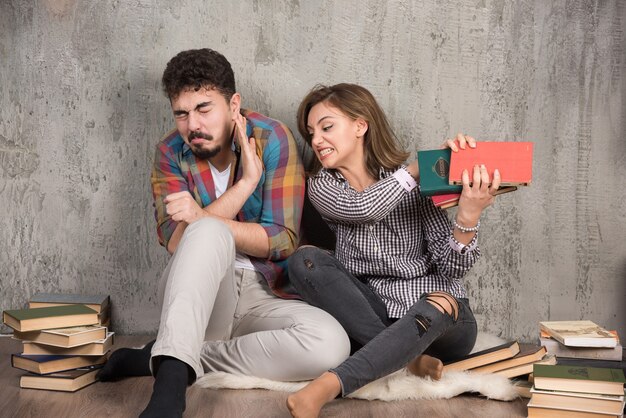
x: 590, y: 402
x: 434, y: 166
x: 68, y: 381
x: 524, y: 369
x: 99, y: 303
x: 514, y: 161
x: 579, y: 333
x: 592, y: 353
x: 64, y: 337
x: 481, y: 358
x: 528, y: 353
x: 96, y: 348
x: 44, y: 364
x: 446, y: 201
x: 36, y: 319
x: 535, y: 411
x: 96, y: 302
x: 572, y: 378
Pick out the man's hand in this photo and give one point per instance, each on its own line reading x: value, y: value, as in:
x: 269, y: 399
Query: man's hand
x: 183, y: 208
x: 250, y: 161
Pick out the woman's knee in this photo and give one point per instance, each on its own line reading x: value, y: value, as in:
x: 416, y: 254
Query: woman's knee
x: 304, y: 262
x: 444, y: 302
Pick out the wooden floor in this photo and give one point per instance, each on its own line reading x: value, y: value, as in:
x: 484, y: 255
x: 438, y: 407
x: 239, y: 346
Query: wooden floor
x: 127, y: 398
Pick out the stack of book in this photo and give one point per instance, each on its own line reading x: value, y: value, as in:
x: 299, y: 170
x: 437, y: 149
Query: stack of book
x: 510, y: 360
x: 441, y: 170
x: 64, y: 339
x: 580, y: 340
x: 576, y: 391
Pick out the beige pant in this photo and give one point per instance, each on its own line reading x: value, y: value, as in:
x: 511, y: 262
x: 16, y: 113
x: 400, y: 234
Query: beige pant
x: 218, y: 318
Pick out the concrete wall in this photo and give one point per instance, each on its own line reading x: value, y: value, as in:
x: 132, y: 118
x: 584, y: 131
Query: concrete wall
x: 81, y: 110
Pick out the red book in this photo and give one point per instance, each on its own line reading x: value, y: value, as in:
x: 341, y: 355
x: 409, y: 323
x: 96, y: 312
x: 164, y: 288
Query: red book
x: 514, y: 160
x: 446, y: 201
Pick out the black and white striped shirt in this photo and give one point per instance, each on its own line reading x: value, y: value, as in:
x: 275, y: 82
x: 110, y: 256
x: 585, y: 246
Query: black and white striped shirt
x: 393, y: 238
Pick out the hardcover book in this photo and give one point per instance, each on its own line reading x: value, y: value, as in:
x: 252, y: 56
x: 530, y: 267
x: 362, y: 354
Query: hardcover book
x: 579, y: 333
x: 512, y: 159
x: 64, y: 337
x: 525, y: 369
x: 36, y: 319
x: 96, y: 348
x: 481, y: 358
x: 434, y: 166
x: 592, y: 353
x: 96, y: 302
x: 445, y: 201
x: 535, y: 411
x: 590, y: 402
x: 69, y: 381
x: 51, y: 364
x: 528, y: 353
x: 579, y: 379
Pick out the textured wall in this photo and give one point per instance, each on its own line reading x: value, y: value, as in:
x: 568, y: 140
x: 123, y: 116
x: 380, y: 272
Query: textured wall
x: 81, y: 110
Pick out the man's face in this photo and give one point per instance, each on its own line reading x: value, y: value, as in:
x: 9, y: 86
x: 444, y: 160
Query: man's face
x: 204, y: 118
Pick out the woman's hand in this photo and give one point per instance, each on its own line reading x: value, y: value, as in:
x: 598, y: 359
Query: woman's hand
x: 477, y: 196
x: 461, y: 141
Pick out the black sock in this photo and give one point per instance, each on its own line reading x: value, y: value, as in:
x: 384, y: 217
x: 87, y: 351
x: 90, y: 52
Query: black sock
x: 126, y: 362
x: 170, y: 387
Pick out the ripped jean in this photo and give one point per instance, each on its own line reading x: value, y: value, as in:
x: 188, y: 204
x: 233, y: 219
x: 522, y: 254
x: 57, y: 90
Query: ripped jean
x: 386, y: 344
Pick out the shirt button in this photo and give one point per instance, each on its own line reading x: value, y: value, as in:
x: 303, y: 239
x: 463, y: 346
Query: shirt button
x: 371, y: 227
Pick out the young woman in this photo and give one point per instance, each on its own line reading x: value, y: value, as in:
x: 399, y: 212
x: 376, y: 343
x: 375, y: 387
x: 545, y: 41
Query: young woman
x: 394, y: 281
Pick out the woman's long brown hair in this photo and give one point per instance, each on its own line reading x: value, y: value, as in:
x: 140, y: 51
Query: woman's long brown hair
x: 382, y: 148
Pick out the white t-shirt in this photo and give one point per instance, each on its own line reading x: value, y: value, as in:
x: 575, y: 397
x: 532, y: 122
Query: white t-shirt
x: 221, y: 184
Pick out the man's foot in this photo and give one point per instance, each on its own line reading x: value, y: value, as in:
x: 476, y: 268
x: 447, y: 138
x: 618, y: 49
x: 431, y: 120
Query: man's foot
x: 426, y: 366
x: 308, y: 401
x: 170, y: 387
x: 126, y: 362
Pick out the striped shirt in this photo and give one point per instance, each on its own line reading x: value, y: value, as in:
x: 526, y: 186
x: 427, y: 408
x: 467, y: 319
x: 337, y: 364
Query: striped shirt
x: 276, y: 204
x: 392, y: 238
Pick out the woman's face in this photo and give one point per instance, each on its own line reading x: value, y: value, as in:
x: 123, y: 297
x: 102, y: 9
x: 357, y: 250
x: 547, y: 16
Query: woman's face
x: 336, y: 139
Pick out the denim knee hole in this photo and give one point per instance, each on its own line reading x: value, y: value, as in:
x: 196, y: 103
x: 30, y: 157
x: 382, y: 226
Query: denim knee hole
x: 423, y: 324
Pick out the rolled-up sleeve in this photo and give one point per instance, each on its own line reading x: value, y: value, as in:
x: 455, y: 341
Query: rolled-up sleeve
x: 283, y: 193
x: 166, y: 178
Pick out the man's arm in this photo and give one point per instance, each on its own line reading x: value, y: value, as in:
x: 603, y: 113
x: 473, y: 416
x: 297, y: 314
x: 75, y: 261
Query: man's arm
x: 183, y: 209
x: 276, y: 235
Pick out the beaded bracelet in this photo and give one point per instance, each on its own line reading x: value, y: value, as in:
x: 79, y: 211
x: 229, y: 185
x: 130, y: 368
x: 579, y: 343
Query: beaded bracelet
x: 465, y: 229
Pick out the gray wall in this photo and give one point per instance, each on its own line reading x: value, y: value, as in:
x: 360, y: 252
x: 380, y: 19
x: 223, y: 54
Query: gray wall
x: 81, y: 110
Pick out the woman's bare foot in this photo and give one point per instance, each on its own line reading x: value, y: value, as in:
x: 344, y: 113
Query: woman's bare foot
x: 426, y: 365
x: 308, y: 401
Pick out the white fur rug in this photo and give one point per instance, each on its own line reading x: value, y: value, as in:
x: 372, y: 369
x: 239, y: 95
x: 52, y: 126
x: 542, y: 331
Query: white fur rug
x: 396, y: 386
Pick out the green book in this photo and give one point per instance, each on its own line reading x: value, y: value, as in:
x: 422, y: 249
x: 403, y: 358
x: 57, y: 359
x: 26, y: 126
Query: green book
x: 434, y: 166
x: 63, y: 316
x: 98, y: 303
x: 579, y: 379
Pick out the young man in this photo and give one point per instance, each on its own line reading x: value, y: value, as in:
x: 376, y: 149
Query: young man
x: 228, y: 190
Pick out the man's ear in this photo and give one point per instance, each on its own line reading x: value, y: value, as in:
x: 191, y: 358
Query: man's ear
x: 235, y: 103
x: 361, y: 127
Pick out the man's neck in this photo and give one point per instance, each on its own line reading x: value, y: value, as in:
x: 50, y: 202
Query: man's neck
x: 222, y: 160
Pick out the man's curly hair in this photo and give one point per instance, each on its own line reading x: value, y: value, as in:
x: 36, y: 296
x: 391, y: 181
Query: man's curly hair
x: 196, y: 69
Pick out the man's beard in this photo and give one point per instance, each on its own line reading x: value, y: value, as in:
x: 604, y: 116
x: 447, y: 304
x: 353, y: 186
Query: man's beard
x: 200, y: 152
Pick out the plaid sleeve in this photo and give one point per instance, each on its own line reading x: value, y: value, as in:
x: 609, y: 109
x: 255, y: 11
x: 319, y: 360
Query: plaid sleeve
x: 283, y: 193
x: 166, y: 178
x: 436, y: 228
x: 345, y: 205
